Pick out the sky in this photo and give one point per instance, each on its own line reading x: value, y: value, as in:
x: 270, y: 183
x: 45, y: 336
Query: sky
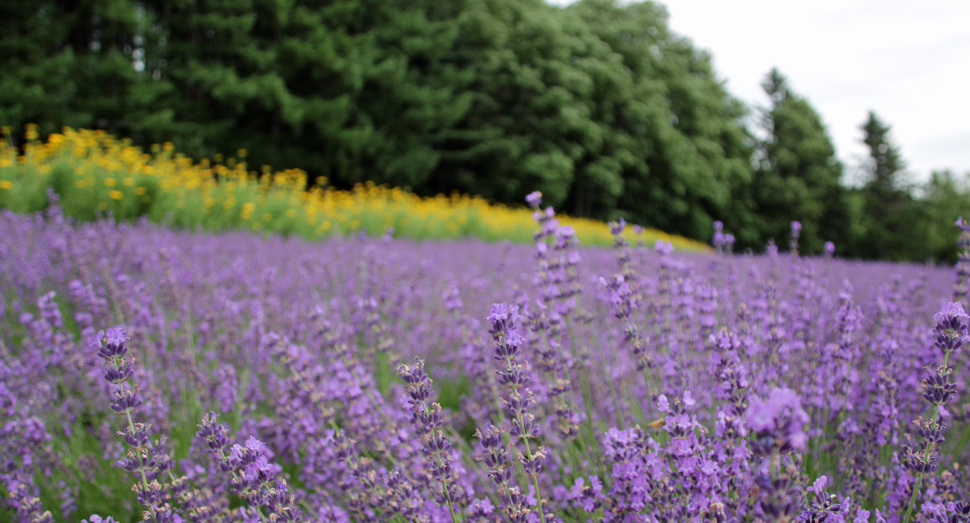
x: 907, y: 61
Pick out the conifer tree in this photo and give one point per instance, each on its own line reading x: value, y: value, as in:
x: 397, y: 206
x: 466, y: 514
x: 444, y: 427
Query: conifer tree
x: 798, y: 175
x: 893, y: 222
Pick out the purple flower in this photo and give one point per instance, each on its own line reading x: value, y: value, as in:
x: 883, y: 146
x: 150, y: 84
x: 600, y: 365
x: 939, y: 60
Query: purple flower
x: 534, y: 199
x: 777, y: 422
x: 503, y: 316
x: 616, y: 228
x: 94, y: 518
x: 663, y: 248
x: 951, y: 326
x: 111, y: 344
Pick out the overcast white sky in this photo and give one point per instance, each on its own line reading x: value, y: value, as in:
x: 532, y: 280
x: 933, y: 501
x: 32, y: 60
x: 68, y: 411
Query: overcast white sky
x: 908, y: 61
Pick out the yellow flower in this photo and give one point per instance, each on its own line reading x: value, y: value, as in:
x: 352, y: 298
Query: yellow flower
x: 110, y: 182
x: 6, y: 184
x: 267, y: 217
x: 115, y: 195
x: 247, y: 210
x: 140, y: 191
x: 128, y: 181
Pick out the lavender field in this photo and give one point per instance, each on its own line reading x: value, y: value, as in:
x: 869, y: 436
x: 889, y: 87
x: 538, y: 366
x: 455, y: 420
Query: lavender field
x: 169, y: 376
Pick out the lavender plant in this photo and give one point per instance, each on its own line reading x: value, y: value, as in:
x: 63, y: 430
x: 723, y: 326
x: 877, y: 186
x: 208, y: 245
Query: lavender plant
x: 662, y: 387
x: 140, y: 460
x: 921, y: 453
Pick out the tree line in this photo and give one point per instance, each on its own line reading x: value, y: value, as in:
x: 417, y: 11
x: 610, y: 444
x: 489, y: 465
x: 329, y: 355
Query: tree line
x: 599, y: 106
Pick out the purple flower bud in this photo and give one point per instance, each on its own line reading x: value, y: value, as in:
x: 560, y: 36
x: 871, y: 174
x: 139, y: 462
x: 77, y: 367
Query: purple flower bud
x: 111, y: 345
x: 778, y: 422
x: 534, y: 199
x: 663, y: 248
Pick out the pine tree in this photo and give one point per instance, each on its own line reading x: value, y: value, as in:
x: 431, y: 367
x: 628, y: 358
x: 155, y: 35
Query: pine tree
x: 893, y: 222
x: 798, y: 176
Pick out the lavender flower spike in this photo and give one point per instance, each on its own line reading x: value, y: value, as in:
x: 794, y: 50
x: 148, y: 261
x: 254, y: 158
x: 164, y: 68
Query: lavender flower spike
x: 139, y: 459
x: 534, y: 199
x: 920, y: 456
x: 777, y: 422
x: 514, y: 376
x: 437, y: 448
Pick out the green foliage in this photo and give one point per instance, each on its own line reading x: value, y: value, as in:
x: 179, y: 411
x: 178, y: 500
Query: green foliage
x: 798, y: 176
x: 598, y: 106
x: 82, y: 64
x: 945, y: 198
x: 893, y: 221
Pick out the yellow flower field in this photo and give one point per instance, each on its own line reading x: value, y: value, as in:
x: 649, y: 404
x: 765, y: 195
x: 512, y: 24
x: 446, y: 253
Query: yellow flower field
x: 94, y: 173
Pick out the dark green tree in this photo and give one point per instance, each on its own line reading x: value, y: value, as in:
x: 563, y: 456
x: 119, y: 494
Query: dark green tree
x: 674, y: 130
x: 36, y: 84
x: 946, y: 197
x: 79, y: 64
x: 600, y: 107
x: 798, y: 175
x: 893, y: 222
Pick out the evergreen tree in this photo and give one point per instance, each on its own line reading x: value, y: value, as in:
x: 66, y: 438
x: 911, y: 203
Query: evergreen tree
x: 80, y: 64
x: 36, y: 85
x: 798, y: 176
x: 946, y: 197
x: 893, y: 222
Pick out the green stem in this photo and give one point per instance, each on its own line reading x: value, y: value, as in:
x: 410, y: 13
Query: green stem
x: 444, y: 487
x: 929, y: 450
x: 131, y: 427
x: 513, y: 391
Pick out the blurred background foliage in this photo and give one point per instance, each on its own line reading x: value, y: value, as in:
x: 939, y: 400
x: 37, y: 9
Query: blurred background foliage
x: 599, y: 106
x: 92, y: 174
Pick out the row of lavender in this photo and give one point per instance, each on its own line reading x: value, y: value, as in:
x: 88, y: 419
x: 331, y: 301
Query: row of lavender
x: 253, y: 379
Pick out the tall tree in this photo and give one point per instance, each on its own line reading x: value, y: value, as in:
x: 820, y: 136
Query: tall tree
x: 893, y: 222
x: 79, y: 64
x: 798, y: 175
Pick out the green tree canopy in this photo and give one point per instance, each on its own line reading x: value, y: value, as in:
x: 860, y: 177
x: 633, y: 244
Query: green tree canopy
x: 798, y: 175
x: 892, y: 220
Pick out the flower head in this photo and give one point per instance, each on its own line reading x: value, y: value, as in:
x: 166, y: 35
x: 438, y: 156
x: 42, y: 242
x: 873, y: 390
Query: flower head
x: 534, y: 199
x: 777, y: 422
